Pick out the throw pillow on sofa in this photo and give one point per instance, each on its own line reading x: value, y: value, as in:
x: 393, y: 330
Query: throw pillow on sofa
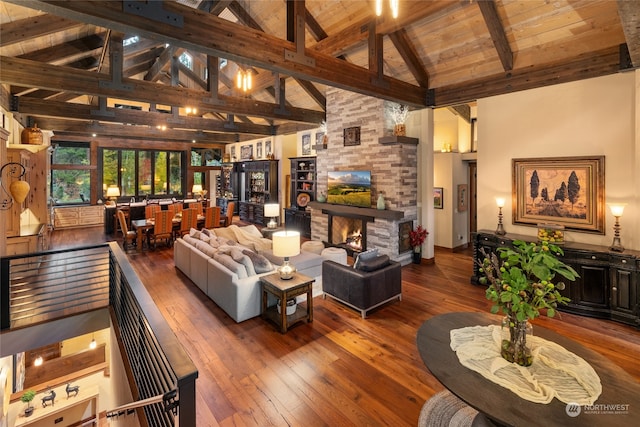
x: 233, y: 266
x: 260, y: 263
x: 238, y: 256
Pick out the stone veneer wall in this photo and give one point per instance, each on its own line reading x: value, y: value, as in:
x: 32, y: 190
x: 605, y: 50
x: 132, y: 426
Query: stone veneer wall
x: 393, y: 167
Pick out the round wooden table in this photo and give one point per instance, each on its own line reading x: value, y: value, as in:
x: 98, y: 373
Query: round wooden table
x: 500, y: 405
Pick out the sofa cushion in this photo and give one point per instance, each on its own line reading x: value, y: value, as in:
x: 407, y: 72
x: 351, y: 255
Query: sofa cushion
x: 374, y: 264
x: 190, y: 240
x: 233, y: 266
x: 238, y: 256
x: 363, y: 256
x: 260, y: 263
x: 205, y: 248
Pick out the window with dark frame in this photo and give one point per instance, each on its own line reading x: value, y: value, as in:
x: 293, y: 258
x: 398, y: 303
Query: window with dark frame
x: 71, y: 173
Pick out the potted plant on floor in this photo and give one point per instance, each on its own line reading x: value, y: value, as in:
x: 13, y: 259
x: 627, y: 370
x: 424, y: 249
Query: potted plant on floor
x: 521, y: 284
x: 27, y: 397
x: 416, y: 239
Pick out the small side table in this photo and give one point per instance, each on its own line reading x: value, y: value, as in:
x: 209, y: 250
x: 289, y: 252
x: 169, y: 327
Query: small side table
x: 284, y: 290
x: 268, y: 232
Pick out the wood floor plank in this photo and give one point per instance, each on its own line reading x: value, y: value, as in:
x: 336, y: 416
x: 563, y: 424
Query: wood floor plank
x: 339, y: 370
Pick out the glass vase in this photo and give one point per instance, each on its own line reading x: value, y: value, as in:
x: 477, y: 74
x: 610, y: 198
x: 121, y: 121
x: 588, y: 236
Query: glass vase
x: 515, y: 347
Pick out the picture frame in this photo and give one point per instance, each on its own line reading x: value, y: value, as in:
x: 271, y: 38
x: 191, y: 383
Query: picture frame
x: 462, y: 197
x: 259, y: 150
x: 438, y: 199
x: 351, y: 136
x: 267, y: 147
x: 320, y: 141
x: 246, y: 152
x: 306, y: 144
x: 233, y: 153
x: 567, y: 191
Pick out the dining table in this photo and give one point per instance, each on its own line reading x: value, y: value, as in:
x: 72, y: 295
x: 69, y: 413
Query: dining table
x: 142, y: 227
x: 618, y: 404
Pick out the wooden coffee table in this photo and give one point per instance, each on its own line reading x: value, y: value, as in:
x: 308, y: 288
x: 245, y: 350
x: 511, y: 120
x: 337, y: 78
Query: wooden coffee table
x: 285, y: 290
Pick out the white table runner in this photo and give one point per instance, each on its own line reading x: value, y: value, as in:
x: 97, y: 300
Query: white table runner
x: 555, y: 372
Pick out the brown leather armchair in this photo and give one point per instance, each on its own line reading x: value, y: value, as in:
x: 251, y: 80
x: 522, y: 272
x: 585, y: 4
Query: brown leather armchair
x: 374, y: 283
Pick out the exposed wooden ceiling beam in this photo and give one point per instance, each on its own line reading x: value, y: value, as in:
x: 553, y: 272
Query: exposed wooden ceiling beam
x: 162, y: 60
x: 209, y: 34
x: 595, y: 64
x: 491, y: 18
x: 629, y: 12
x: 29, y: 73
x: 71, y: 51
x: 408, y: 52
x: 46, y: 108
x: 132, y: 132
x: 36, y: 26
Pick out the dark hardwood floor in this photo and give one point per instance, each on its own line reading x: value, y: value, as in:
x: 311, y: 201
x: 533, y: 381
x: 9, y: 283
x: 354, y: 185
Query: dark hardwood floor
x: 339, y: 370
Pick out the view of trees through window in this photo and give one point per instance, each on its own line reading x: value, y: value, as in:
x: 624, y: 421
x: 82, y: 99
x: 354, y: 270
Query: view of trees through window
x: 142, y: 173
x: 70, y: 173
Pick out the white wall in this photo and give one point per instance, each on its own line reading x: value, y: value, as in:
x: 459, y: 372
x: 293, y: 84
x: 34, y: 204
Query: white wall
x: 591, y: 117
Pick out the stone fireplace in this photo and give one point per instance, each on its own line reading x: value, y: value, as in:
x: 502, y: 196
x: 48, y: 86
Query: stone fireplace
x: 393, y: 163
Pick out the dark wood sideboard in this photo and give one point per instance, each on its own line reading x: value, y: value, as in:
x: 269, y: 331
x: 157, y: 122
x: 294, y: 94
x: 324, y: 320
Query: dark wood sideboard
x: 609, y: 282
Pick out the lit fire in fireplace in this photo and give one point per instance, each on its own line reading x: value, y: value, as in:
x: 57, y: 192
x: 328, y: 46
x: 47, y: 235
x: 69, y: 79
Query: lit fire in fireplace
x: 354, y: 240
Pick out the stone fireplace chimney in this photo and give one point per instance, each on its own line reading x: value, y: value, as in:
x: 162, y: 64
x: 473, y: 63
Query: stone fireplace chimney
x: 393, y: 165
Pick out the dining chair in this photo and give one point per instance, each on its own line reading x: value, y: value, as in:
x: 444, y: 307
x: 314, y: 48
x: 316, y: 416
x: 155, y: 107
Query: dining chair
x: 150, y: 210
x: 197, y: 206
x: 162, y: 229
x: 212, y: 217
x: 188, y: 221
x: 228, y: 218
x: 127, y: 235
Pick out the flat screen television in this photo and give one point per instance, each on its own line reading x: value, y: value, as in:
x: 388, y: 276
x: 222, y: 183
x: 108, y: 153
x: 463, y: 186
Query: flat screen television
x: 351, y: 188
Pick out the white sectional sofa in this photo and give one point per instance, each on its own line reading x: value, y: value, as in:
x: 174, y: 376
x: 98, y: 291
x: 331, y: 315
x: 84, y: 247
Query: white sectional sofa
x: 232, y: 287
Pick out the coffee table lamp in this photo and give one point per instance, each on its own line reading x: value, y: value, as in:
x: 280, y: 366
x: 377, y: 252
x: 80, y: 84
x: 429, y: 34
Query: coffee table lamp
x: 272, y: 210
x: 286, y: 244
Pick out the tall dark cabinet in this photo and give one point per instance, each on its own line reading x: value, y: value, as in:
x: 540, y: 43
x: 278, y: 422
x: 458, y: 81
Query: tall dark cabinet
x: 260, y: 187
x: 302, y: 191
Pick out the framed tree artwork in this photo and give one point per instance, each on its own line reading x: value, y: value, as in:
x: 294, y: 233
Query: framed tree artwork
x: 306, y: 144
x: 568, y: 191
x: 351, y: 136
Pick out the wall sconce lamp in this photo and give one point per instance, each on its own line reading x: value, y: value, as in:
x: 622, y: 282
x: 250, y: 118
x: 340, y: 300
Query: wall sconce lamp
x: 272, y: 210
x: 616, y: 210
x: 38, y: 361
x: 500, y: 229
x: 286, y: 244
x: 93, y: 344
x: 18, y: 190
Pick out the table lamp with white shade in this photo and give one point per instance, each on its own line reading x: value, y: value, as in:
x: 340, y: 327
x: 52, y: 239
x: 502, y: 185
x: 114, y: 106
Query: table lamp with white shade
x: 196, y: 189
x: 272, y: 210
x: 286, y: 244
x: 113, y: 192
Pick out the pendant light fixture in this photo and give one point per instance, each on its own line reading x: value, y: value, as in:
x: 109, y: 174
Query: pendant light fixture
x: 243, y: 80
x: 393, y: 4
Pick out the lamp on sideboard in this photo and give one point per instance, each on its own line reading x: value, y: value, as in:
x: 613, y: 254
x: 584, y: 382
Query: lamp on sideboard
x: 286, y: 244
x: 18, y: 190
x: 500, y: 229
x: 616, y: 211
x: 196, y: 189
x: 113, y: 192
x: 272, y: 210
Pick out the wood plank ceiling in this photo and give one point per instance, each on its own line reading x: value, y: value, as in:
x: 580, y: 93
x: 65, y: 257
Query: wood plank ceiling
x: 63, y: 64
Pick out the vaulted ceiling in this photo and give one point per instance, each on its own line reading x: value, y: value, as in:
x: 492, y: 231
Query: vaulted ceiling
x: 63, y: 64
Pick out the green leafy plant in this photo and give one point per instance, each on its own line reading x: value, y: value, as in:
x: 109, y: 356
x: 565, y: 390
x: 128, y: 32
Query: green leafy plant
x: 521, y: 284
x: 28, y: 396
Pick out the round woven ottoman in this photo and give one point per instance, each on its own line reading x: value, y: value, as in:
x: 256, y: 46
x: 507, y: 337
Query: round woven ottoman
x: 338, y: 255
x: 315, y: 246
